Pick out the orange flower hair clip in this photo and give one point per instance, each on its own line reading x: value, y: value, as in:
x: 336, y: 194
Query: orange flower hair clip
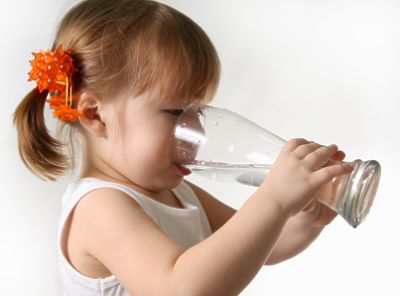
x: 53, y: 71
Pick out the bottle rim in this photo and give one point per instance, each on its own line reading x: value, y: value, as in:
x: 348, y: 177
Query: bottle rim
x: 360, y: 191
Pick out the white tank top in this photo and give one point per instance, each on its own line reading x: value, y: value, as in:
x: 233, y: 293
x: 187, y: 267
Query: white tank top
x: 186, y: 226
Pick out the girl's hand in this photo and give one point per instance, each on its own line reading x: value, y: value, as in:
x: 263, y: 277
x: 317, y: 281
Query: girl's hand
x: 318, y: 213
x: 299, y: 172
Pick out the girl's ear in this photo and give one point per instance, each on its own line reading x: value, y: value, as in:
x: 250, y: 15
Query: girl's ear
x: 91, y: 120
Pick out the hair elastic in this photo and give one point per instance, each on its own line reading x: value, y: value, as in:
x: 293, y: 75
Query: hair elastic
x: 53, y: 71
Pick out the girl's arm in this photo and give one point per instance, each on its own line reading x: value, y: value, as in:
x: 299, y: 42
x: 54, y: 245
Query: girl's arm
x: 300, y: 231
x: 297, y: 234
x: 115, y: 230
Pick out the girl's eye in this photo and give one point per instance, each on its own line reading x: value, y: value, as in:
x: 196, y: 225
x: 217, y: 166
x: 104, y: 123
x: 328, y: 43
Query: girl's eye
x: 175, y: 112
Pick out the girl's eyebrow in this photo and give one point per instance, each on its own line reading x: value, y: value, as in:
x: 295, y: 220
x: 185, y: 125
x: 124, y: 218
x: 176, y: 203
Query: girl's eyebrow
x: 174, y: 104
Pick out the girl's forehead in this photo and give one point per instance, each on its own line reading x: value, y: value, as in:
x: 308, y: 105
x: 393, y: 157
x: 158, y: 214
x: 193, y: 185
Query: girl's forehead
x: 178, y: 104
x: 158, y: 97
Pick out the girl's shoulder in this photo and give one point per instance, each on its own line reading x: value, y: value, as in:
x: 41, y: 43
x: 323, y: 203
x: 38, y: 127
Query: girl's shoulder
x: 79, y: 188
x: 102, y: 220
x: 110, y: 226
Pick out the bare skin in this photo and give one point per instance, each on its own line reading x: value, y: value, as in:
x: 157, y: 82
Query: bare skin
x: 109, y: 233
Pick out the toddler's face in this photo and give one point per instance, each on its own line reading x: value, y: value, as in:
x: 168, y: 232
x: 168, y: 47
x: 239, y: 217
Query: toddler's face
x: 143, y: 145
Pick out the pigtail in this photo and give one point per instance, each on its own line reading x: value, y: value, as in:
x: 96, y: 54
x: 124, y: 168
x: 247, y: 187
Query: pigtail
x: 40, y: 152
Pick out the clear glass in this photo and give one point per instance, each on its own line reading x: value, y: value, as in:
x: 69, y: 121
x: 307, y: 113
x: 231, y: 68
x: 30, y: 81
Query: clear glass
x: 224, y: 146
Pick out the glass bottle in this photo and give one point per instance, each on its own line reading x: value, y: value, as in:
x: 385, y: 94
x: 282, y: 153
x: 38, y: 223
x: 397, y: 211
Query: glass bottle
x: 224, y: 146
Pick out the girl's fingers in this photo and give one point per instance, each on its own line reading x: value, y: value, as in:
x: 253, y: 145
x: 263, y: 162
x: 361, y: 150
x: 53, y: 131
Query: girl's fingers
x: 303, y: 150
x: 328, y: 173
x: 320, y: 156
x: 338, y: 156
x: 293, y: 144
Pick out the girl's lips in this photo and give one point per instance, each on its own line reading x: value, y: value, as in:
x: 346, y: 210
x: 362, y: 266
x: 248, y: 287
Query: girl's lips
x: 183, y: 170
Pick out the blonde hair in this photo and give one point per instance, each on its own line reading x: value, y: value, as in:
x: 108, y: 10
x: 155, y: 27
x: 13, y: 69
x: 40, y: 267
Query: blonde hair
x: 119, y: 46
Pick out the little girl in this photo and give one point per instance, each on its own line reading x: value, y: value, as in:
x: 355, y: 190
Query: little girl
x: 119, y: 75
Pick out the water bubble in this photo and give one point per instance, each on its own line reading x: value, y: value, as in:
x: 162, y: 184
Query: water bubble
x: 214, y: 176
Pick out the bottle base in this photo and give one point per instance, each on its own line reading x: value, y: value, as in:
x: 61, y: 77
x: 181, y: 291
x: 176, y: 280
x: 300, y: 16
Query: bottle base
x: 359, y: 192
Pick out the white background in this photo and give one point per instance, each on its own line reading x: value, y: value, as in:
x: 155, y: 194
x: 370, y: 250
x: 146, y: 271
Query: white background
x: 324, y: 70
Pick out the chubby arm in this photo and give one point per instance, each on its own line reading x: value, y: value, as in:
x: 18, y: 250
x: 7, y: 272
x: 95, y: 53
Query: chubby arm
x: 300, y: 231
x: 297, y: 234
x: 117, y: 232
x: 303, y: 228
